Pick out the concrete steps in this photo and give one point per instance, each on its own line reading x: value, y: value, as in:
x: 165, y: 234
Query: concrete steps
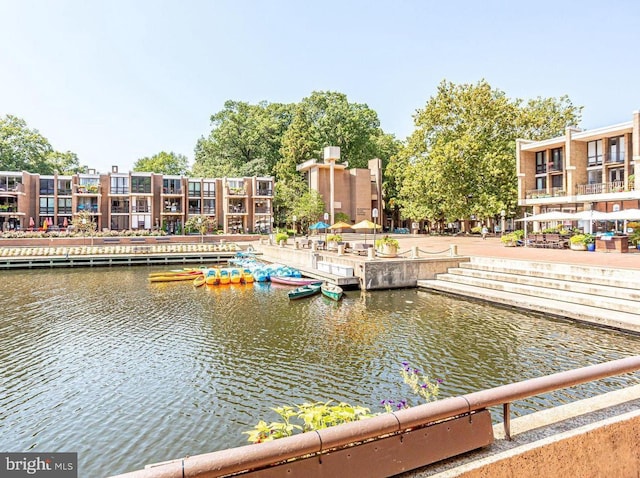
x: 599, y: 295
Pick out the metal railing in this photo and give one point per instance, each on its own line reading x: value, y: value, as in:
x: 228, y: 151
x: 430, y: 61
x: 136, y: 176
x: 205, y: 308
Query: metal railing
x: 252, y: 457
x: 603, y: 188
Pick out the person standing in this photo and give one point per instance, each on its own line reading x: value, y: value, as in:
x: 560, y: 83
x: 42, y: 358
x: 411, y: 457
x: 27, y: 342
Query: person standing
x: 484, y: 232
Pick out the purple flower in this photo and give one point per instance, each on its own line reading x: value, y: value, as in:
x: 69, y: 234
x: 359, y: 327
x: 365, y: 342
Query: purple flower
x: 401, y: 404
x: 439, y: 380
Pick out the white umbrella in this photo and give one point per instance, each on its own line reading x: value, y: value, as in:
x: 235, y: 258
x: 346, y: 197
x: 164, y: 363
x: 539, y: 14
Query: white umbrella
x: 624, y: 215
x: 549, y: 216
x: 591, y: 215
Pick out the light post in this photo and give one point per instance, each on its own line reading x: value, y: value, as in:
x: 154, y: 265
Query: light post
x: 200, y: 230
x: 374, y: 215
x: 294, y: 219
x: 326, y: 218
x: 84, y: 232
x: 503, y: 222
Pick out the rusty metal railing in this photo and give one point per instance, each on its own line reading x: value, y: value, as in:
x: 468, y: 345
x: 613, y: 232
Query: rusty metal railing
x: 234, y: 460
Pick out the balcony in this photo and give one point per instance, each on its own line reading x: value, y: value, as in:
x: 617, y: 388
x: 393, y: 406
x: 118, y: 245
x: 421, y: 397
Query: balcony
x: 172, y: 191
x: 554, y: 167
x: 604, y: 188
x: 141, y: 189
x: 119, y: 190
x: 263, y: 210
x: 120, y: 210
x: 140, y: 208
x: 236, y: 210
x: 237, y: 191
x: 264, y: 192
x: 92, y: 189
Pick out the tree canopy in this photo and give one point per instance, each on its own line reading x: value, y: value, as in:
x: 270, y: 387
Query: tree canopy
x: 24, y: 149
x: 460, y: 159
x: 163, y: 163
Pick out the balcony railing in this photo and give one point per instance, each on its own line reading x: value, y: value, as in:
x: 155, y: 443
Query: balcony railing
x: 174, y: 191
x: 236, y: 210
x: 120, y: 210
x: 119, y: 190
x: 604, y: 188
x: 91, y: 189
x: 209, y: 211
x: 239, y: 191
x: 139, y: 208
x: 537, y: 193
x: 141, y: 189
x: 264, y: 192
x: 64, y: 192
x: 263, y: 210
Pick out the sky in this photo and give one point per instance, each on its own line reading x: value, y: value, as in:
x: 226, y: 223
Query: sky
x: 118, y: 80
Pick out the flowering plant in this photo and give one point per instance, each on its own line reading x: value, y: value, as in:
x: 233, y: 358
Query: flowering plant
x: 420, y: 385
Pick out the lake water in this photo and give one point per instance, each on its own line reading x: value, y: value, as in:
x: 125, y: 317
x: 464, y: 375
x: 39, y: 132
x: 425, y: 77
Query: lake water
x: 124, y: 372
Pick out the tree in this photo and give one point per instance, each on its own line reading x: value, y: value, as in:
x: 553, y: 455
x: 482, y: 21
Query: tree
x: 163, y: 163
x: 460, y: 160
x: 24, y: 149
x: 328, y: 119
x: 244, y: 139
x: 308, y: 208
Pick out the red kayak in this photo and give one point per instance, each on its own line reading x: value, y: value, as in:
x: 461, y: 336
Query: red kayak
x: 294, y: 281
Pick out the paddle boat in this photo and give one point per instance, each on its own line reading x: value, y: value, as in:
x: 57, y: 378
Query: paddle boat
x: 247, y: 276
x: 304, y: 291
x: 235, y: 275
x: 223, y: 277
x: 293, y: 281
x: 212, y: 277
x: 332, y: 291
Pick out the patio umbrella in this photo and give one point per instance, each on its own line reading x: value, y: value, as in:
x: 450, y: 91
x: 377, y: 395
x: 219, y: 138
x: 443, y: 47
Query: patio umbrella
x: 31, y: 222
x: 45, y: 224
x: 549, y: 216
x: 340, y: 225
x: 624, y: 215
x: 365, y: 225
x: 319, y: 225
x: 65, y: 223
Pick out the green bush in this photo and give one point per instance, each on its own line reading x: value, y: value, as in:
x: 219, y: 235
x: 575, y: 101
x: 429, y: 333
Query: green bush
x: 334, y: 238
x: 281, y: 236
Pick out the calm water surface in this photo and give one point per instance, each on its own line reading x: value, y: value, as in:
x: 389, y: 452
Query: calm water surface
x: 127, y: 373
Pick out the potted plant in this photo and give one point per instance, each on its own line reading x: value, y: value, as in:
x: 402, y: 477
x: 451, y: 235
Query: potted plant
x: 387, y: 246
x: 634, y: 238
x: 512, y: 239
x: 333, y: 240
x: 579, y: 242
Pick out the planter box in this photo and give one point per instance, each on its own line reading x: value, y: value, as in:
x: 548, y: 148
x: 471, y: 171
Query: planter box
x: 578, y: 247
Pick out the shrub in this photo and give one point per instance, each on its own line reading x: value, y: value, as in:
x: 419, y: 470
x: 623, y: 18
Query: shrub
x: 386, y: 240
x: 334, y: 238
x: 281, y: 236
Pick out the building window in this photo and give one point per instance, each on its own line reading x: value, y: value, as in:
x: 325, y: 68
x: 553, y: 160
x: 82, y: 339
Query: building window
x: 541, y: 162
x: 209, y: 189
x: 194, y: 189
x: 556, y: 159
x: 616, y: 150
x: 541, y: 184
x: 595, y: 176
x: 47, y: 207
x: 171, y: 186
x: 64, y: 187
x: 616, y: 174
x: 46, y: 187
x: 594, y: 153
x: 210, y: 207
x: 64, y: 206
x: 194, y: 206
x: 140, y: 184
x: 119, y: 185
x: 139, y: 204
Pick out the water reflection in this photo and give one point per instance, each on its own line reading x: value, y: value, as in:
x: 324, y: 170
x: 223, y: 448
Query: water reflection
x: 126, y: 373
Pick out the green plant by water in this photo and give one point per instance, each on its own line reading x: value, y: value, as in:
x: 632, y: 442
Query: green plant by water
x: 319, y: 415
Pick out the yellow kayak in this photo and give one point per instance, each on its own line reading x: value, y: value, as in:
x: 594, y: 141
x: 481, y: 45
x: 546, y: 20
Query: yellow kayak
x: 172, y: 278
x: 199, y: 281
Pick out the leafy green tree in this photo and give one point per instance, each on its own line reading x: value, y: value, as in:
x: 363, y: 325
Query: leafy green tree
x: 24, y: 149
x: 163, y: 163
x: 328, y: 119
x: 460, y: 160
x: 308, y: 208
x: 244, y: 138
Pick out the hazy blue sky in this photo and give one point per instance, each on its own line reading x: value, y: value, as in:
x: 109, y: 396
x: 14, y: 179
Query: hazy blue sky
x: 114, y: 81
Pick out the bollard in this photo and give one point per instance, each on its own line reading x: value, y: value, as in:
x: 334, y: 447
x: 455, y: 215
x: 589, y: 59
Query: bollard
x: 453, y: 250
x: 282, y: 243
x: 341, y: 249
x: 414, y: 252
x: 314, y: 246
x: 371, y: 253
x: 297, y: 245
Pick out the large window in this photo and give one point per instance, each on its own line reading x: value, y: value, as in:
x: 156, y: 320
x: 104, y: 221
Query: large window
x: 120, y: 206
x: 541, y: 183
x: 139, y: 204
x: 209, y: 189
x: 140, y: 184
x: 594, y: 153
x: 595, y: 176
x: 616, y: 150
x: 64, y: 206
x: 47, y: 207
x: 46, y: 187
x: 64, y: 187
x: 194, y: 206
x: 172, y: 186
x: 119, y: 185
x: 209, y: 207
x: 541, y: 162
x: 556, y: 159
x: 194, y: 188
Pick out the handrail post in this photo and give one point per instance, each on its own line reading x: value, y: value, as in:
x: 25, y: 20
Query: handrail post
x: 506, y: 419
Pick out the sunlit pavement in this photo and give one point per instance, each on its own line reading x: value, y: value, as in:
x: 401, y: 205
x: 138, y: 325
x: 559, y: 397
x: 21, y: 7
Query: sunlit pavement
x: 493, y: 247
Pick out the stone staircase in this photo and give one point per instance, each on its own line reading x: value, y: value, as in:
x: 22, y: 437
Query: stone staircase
x: 600, y: 295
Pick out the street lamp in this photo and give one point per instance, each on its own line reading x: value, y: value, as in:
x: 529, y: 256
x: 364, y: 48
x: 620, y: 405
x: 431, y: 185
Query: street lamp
x: 200, y: 230
x: 294, y: 219
x: 326, y: 218
x: 374, y: 215
x: 503, y: 222
x: 84, y: 232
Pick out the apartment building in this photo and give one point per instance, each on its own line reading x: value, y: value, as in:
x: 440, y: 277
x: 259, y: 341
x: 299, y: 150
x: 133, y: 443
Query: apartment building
x: 581, y: 170
x: 135, y: 200
x: 355, y: 192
